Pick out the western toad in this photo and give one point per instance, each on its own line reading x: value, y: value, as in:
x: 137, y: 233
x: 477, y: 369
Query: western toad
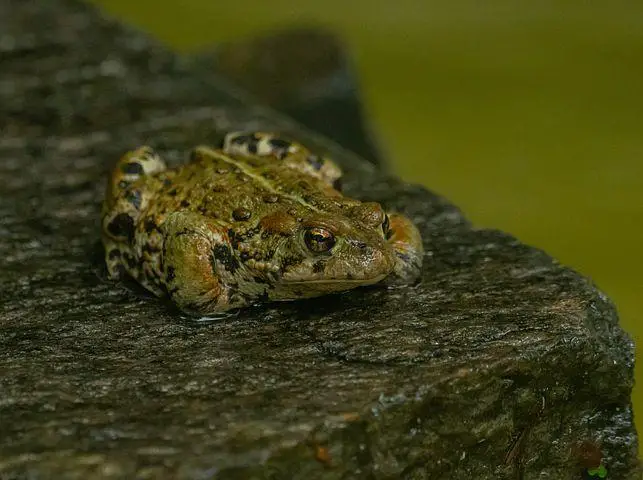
x: 260, y: 219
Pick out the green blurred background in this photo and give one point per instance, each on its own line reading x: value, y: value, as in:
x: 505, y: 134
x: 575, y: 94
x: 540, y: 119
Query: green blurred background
x: 528, y: 115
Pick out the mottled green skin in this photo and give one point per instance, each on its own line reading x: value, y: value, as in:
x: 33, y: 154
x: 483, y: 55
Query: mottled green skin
x: 233, y: 227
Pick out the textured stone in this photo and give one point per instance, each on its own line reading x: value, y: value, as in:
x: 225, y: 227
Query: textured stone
x: 501, y: 364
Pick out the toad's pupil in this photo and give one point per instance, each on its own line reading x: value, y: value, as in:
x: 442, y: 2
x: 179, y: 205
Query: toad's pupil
x: 319, y: 240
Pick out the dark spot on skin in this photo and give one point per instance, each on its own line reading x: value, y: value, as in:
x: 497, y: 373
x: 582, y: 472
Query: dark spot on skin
x: 122, y: 226
x: 224, y: 256
x: 252, y: 146
x: 233, y: 237
x: 240, y: 140
x: 315, y: 161
x: 290, y: 261
x: 132, y: 168
x: 279, y: 147
x: 150, y: 225
x: 173, y: 192
x: 113, y: 254
x: 240, y: 214
x: 131, y: 261
x: 170, y: 274
x: 271, y: 198
x: 134, y: 198
x: 185, y: 203
x: 123, y: 184
x: 250, y: 141
x: 337, y: 184
x: 279, y: 143
x: 318, y: 266
x: 150, y: 249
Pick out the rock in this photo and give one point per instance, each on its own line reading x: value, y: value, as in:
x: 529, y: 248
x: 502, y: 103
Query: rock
x: 502, y: 363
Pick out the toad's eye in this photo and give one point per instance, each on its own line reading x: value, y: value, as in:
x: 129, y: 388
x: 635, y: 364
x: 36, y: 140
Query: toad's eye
x: 386, y: 226
x: 319, y: 240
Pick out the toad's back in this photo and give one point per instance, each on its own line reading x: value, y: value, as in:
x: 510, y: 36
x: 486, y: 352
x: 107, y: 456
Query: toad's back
x: 236, y: 188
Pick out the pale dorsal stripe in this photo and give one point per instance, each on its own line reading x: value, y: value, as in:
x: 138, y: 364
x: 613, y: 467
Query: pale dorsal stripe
x: 207, y: 151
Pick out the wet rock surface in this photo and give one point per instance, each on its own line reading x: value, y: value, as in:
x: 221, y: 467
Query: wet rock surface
x: 500, y: 364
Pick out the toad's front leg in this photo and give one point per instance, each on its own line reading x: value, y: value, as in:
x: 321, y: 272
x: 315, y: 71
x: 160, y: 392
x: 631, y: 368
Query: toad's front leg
x: 406, y: 241
x: 191, y: 267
